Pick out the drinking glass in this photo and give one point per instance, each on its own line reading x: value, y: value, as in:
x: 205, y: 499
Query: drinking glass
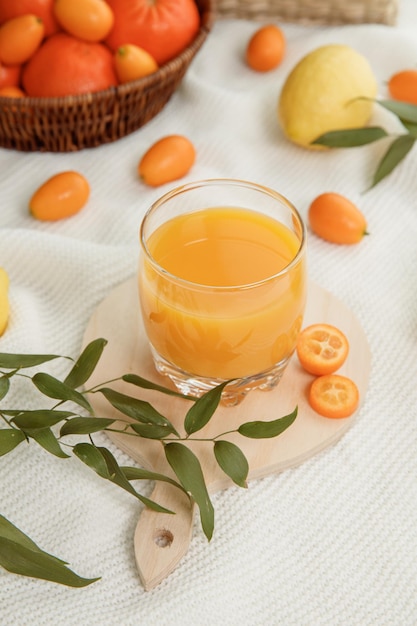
x: 222, y: 285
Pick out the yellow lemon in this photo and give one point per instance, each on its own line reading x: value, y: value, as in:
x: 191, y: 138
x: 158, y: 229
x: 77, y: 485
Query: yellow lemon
x: 320, y: 94
x: 4, y: 300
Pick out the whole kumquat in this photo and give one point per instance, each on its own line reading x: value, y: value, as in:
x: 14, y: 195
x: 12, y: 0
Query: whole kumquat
x: 65, y: 65
x: 166, y: 160
x: 334, y: 396
x: 20, y: 37
x: 61, y: 196
x: 11, y: 92
x: 132, y: 62
x: 403, y: 86
x: 41, y: 8
x: 91, y: 20
x: 266, y: 48
x: 322, y: 348
x: 335, y: 218
x: 10, y: 75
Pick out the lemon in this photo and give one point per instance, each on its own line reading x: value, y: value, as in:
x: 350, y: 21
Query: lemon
x: 319, y: 94
x: 4, y: 300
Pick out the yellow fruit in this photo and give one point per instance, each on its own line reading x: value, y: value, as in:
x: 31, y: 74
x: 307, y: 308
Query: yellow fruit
x: 4, y: 300
x: 320, y: 94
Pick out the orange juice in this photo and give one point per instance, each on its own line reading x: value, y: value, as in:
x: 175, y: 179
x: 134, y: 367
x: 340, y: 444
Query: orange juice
x: 221, y: 294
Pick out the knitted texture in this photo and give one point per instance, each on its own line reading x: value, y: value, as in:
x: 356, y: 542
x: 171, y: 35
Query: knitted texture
x: 332, y: 542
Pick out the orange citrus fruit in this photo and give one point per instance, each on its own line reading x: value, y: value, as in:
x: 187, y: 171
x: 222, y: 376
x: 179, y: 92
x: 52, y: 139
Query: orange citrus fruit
x: 132, y: 62
x: 65, y: 65
x: 166, y: 160
x: 41, y: 8
x: 403, y: 86
x: 334, y: 396
x: 322, y: 348
x: 266, y: 48
x: 9, y: 75
x: 20, y: 37
x: 335, y: 218
x: 91, y: 20
x: 61, y: 196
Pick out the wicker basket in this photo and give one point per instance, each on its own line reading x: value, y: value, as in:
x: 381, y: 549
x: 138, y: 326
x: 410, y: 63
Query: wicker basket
x: 75, y: 122
x: 312, y: 11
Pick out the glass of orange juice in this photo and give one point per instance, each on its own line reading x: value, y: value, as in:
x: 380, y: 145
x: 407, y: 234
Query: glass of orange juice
x: 222, y: 285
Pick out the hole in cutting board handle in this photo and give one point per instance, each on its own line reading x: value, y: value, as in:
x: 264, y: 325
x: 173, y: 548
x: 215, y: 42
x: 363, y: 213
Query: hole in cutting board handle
x: 163, y: 538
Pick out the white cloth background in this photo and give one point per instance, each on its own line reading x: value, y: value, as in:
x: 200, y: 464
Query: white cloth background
x: 330, y: 543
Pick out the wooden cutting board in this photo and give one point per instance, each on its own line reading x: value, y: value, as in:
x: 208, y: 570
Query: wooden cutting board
x: 161, y: 540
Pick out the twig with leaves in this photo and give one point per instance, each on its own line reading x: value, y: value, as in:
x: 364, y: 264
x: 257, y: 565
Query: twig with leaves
x: 397, y: 150
x: 49, y: 428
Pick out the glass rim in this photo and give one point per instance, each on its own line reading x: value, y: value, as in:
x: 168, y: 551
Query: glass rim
x: 213, y: 182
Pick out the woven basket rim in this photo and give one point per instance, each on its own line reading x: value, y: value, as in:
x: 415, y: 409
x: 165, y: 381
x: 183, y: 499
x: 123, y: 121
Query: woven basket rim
x: 206, y: 22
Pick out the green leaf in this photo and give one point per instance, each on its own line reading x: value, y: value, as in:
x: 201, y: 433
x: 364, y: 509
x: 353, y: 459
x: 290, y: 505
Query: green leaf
x: 411, y: 127
x: 188, y: 470
x: 54, y: 388
x: 150, y: 431
x: 138, y: 410
x: 19, y: 559
x: 105, y: 465
x: 232, y: 461
x: 350, y: 138
x: 42, y: 418
x: 266, y: 430
x: 9, y: 439
x: 18, y: 361
x: 46, y: 438
x: 85, y: 364
x: 85, y: 425
x: 138, y: 473
x: 10, y: 531
x: 4, y: 386
x: 403, y: 110
x: 91, y: 456
x: 202, y: 410
x: 134, y: 379
x: 393, y: 156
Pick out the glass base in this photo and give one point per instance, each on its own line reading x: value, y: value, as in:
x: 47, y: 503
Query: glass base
x: 233, y: 394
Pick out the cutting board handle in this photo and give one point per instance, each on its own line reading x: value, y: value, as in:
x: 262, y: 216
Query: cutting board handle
x: 162, y: 539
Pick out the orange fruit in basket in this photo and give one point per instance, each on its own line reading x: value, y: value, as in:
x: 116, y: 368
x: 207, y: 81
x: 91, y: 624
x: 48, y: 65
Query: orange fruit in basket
x: 61, y: 196
x: 266, y: 48
x: 335, y: 218
x: 9, y: 75
x: 164, y: 28
x: 41, y: 8
x: 65, y: 65
x: 132, y: 62
x: 403, y: 86
x: 166, y: 160
x: 334, y: 396
x: 90, y: 20
x: 11, y: 92
x: 20, y: 37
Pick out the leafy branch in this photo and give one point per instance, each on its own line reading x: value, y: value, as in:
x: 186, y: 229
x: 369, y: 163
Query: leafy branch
x: 50, y: 427
x: 397, y: 150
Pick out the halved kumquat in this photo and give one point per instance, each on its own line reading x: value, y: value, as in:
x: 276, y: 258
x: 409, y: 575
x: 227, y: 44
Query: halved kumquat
x: 322, y: 349
x: 334, y: 396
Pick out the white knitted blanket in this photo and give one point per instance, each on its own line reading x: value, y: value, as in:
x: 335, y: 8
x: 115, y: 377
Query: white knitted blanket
x: 332, y: 542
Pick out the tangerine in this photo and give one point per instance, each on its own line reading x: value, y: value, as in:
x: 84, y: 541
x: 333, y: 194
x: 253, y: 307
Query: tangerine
x: 403, y: 86
x: 61, y: 196
x: 164, y: 28
x: 20, y: 37
x: 132, y: 62
x: 65, y: 65
x: 166, y: 160
x: 11, y: 91
x: 90, y: 20
x: 9, y: 75
x: 40, y: 8
x: 335, y: 218
x: 266, y: 48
